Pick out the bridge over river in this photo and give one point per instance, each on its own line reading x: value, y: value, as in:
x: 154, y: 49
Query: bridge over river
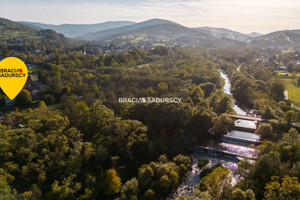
x: 249, y: 118
x: 221, y: 153
x: 228, y: 152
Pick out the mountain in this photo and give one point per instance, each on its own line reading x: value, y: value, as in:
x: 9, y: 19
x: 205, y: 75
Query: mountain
x: 10, y: 30
x: 106, y: 33
x: 75, y: 30
x: 154, y: 31
x: 149, y: 33
x: 254, y: 34
x: 281, y: 39
x: 226, y: 33
x: 13, y: 29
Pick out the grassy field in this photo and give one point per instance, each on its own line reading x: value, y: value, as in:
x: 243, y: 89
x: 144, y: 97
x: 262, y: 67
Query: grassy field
x: 20, y: 34
x: 294, y: 91
x: 34, y: 69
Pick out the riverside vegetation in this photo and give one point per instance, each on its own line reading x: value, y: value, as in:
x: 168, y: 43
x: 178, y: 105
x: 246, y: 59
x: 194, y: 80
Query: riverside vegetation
x: 79, y: 142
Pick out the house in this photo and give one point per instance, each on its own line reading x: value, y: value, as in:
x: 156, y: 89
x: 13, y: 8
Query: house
x: 8, y: 102
x: 34, y: 87
x: 37, y: 51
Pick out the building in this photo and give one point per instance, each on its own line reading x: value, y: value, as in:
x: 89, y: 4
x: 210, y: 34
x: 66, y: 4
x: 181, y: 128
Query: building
x: 8, y: 102
x: 34, y: 87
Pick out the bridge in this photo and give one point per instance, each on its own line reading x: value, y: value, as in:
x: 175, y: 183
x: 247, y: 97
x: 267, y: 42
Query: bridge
x: 250, y: 118
x: 220, y: 153
x: 239, y: 141
x: 259, y: 120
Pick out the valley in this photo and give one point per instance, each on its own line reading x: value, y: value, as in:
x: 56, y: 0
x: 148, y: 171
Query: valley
x: 150, y: 110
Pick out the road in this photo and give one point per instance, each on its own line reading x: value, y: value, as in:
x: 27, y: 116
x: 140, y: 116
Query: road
x: 297, y: 108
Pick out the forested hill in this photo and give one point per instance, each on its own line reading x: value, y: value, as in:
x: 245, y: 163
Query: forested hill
x: 283, y: 39
x: 11, y: 32
x: 84, y: 144
x: 152, y: 33
x: 68, y: 136
x: 75, y: 30
x: 10, y: 27
x: 79, y: 142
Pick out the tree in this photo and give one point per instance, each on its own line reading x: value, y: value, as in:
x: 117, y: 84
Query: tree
x: 217, y: 183
x: 265, y: 131
x: 87, y: 194
x: 292, y: 136
x: 208, y: 88
x: 49, y: 99
x: 291, y: 116
x: 112, y: 182
x: 224, y: 104
x: 99, y: 115
x: 197, y: 94
x: 250, y: 195
x: 79, y: 116
x: 295, y: 170
x: 164, y: 183
x: 67, y: 189
x: 160, y: 50
x: 243, y: 90
x: 42, y: 105
x: 277, y: 89
x: 23, y: 98
x: 149, y: 195
x: 266, y: 166
x: 6, y: 192
x: 289, y: 188
x: 222, y: 124
x: 162, y: 87
x: 268, y: 113
x: 238, y: 194
x: 130, y: 189
x: 145, y: 175
x: 174, y: 178
x: 183, y: 161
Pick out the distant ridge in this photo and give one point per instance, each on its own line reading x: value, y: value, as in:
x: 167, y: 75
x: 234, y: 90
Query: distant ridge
x: 282, y: 39
x: 107, y: 33
x: 226, y: 33
x: 165, y: 32
x: 155, y: 31
x: 75, y: 30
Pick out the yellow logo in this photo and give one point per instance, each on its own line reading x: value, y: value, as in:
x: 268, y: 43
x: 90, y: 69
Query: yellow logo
x: 13, y: 76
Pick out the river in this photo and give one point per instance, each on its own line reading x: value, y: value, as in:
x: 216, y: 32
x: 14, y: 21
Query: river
x: 239, y: 111
x: 192, y: 179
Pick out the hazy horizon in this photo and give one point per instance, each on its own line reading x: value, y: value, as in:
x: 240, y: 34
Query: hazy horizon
x: 238, y: 15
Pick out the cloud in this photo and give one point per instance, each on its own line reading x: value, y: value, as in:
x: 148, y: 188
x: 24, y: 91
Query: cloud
x: 241, y: 15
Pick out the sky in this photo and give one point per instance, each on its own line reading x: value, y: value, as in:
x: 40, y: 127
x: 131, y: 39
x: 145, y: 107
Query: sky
x: 246, y: 16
